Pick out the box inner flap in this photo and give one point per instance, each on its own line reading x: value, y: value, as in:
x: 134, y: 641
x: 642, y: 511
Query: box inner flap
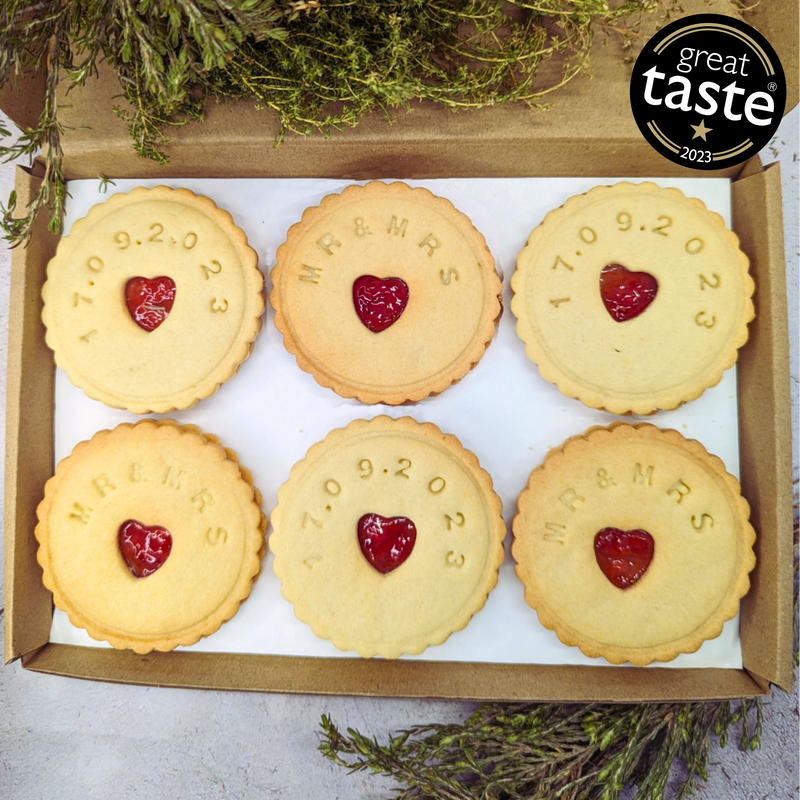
x: 396, y: 678
x: 29, y: 436
x: 764, y: 422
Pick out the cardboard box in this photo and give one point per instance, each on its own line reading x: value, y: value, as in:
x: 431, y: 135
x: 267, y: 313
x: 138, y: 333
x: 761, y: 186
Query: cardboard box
x: 237, y: 141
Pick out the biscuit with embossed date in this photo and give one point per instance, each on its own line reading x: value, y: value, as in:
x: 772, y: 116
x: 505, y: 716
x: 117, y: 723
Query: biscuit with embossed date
x: 153, y: 300
x: 150, y: 535
x: 387, y: 537
x: 632, y: 298
x: 633, y: 543
x: 385, y: 293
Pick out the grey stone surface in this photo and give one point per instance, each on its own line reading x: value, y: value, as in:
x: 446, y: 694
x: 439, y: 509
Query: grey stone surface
x: 79, y: 740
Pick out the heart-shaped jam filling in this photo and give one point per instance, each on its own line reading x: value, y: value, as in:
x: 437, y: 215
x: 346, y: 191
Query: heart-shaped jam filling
x: 149, y: 300
x: 626, y: 294
x: 144, y: 547
x: 624, y: 556
x: 379, y: 302
x: 386, y: 542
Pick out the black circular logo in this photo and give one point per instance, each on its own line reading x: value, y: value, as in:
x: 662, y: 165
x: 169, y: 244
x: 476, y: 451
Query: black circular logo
x: 708, y: 91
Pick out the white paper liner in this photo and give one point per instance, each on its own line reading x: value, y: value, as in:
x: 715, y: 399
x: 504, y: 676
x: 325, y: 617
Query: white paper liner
x: 271, y: 412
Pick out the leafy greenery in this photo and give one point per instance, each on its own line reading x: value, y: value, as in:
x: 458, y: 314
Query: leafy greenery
x: 318, y: 64
x: 547, y: 751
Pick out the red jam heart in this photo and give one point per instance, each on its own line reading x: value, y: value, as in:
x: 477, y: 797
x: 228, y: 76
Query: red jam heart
x: 624, y: 556
x: 386, y: 542
x: 144, y: 547
x: 149, y: 300
x: 626, y: 294
x: 379, y: 302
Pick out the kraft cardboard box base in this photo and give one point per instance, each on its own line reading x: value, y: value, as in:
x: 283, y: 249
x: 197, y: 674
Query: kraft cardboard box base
x: 429, y: 143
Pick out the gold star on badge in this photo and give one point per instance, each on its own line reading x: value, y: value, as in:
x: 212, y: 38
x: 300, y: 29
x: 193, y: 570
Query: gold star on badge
x: 700, y: 130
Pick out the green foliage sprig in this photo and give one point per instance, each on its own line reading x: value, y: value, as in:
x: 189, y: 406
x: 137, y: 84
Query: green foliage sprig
x: 319, y: 65
x: 547, y: 751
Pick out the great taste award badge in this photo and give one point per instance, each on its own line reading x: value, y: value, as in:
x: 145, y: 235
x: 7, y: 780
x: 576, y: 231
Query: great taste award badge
x: 708, y: 91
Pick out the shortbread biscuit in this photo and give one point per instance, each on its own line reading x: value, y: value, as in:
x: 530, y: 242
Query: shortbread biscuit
x: 153, y: 300
x: 385, y: 293
x: 632, y: 298
x: 150, y: 535
x: 387, y: 537
x: 633, y: 543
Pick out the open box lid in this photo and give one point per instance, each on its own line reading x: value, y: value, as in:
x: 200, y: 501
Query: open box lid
x: 237, y: 140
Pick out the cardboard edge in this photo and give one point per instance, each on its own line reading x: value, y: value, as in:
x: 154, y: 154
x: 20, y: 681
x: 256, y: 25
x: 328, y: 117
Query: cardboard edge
x: 29, y: 446
x: 766, y: 475
x: 386, y: 678
x: 753, y: 166
x: 762, y: 683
